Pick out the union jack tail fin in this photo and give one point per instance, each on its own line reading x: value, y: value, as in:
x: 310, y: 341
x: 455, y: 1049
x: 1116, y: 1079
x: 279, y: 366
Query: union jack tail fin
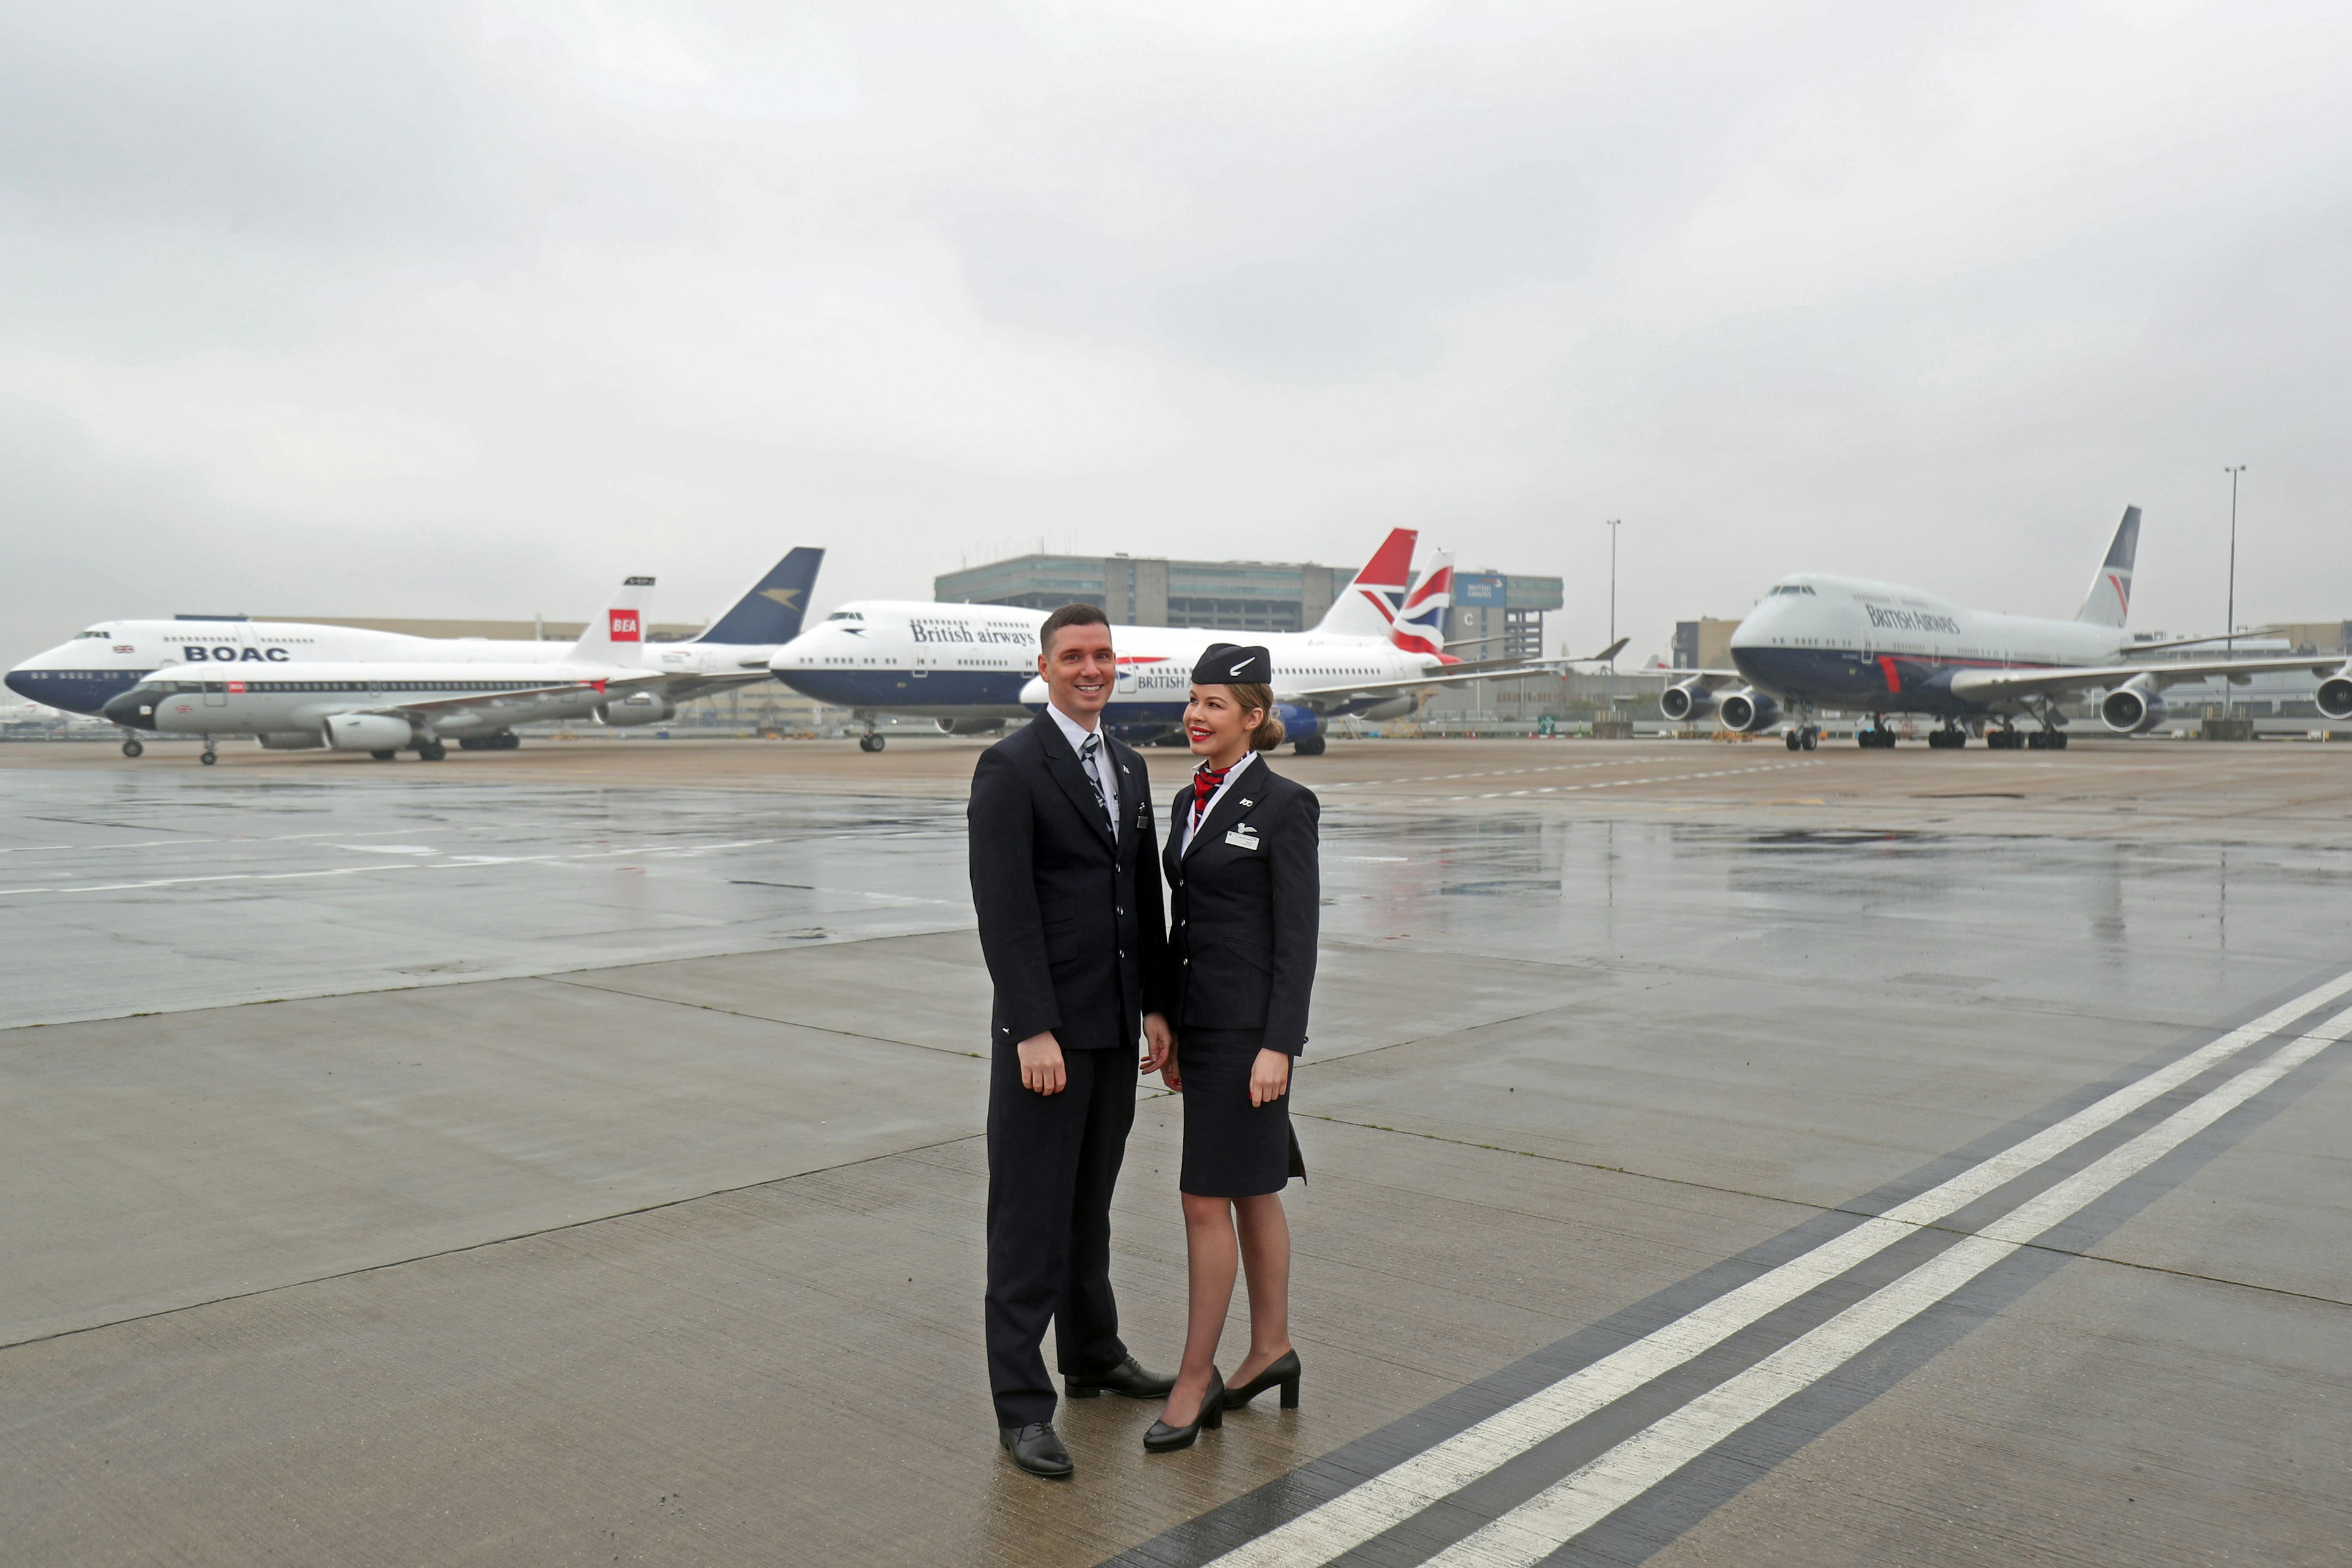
x: 618, y: 634
x: 1421, y: 623
x: 1368, y: 607
x: 2108, y: 603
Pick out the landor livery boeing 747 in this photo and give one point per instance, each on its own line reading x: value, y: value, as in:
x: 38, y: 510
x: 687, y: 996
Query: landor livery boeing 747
x: 1817, y: 641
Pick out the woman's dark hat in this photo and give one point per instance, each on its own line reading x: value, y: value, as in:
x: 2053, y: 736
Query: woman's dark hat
x: 1231, y: 664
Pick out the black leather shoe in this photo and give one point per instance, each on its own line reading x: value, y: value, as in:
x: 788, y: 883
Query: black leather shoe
x: 1165, y: 1439
x: 1036, y: 1450
x: 1126, y: 1378
x: 1281, y: 1369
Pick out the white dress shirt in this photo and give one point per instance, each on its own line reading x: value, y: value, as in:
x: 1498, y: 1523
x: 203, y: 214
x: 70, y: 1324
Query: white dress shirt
x: 1105, y: 772
x: 1192, y: 819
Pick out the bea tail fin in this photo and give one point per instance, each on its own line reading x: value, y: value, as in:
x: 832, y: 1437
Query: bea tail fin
x: 770, y: 612
x: 618, y: 634
x: 1421, y: 620
x: 1368, y: 607
x: 2108, y: 603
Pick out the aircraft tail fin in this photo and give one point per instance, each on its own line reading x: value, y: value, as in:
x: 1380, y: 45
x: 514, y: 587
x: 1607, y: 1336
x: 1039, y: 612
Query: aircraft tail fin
x: 618, y: 634
x: 2108, y: 603
x: 1368, y: 607
x: 1421, y: 619
x: 770, y: 612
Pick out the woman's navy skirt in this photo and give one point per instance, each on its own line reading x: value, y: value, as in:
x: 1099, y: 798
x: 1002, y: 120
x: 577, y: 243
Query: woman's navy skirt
x: 1232, y: 1149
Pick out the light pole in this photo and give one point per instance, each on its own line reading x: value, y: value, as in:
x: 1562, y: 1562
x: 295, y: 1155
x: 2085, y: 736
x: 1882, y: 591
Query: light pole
x: 2229, y: 626
x: 1612, y: 526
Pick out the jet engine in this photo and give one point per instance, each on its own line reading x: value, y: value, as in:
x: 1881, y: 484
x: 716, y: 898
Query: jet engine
x: 1686, y: 703
x: 1749, y: 712
x: 368, y: 732
x: 2132, y: 709
x: 970, y: 726
x: 1301, y: 727
x: 645, y: 707
x: 2335, y: 694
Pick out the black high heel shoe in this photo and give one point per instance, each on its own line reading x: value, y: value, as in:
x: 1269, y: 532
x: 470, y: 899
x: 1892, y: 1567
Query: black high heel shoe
x: 1283, y: 1369
x: 1165, y: 1439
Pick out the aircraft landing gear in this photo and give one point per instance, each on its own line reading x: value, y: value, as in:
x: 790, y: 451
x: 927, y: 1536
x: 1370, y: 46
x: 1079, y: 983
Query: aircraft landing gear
x: 1805, y: 738
x: 431, y: 751
x: 2003, y: 739
x: 1878, y: 737
x: 384, y: 756
x: 1309, y: 746
x: 210, y: 756
x: 134, y: 749
x: 1950, y: 738
x: 870, y: 741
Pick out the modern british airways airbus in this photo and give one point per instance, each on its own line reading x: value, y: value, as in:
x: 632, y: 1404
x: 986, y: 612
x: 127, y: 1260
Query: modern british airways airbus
x: 1819, y: 641
x: 973, y: 667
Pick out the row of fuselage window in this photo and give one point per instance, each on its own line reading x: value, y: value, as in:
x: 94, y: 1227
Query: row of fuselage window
x: 363, y: 686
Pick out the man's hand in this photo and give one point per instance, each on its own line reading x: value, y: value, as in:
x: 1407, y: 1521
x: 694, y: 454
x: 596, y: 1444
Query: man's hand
x: 1040, y: 1064
x: 1159, y: 1042
x: 1269, y: 1077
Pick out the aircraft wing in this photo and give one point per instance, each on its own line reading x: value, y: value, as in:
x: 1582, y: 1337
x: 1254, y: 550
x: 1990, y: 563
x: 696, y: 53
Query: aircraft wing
x: 623, y: 685
x: 1708, y: 679
x: 1992, y: 685
x: 1451, y: 675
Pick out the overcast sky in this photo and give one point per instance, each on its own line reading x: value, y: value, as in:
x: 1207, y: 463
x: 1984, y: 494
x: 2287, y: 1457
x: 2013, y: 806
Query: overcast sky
x: 438, y: 310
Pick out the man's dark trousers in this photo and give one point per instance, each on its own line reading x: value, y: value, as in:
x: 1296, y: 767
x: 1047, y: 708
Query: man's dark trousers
x: 1072, y: 925
x: 1053, y: 1160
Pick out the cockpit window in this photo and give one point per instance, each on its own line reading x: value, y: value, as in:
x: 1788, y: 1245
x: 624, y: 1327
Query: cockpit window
x: 94, y: 632
x: 1793, y: 588
x: 845, y: 615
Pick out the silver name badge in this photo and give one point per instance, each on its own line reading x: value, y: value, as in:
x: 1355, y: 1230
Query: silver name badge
x: 1242, y: 839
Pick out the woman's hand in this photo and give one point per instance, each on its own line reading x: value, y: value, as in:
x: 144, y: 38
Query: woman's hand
x: 1169, y: 1072
x: 1269, y: 1077
x: 1159, y: 1039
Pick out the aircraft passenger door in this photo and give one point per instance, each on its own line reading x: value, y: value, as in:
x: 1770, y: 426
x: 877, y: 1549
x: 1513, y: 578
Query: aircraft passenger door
x: 216, y: 693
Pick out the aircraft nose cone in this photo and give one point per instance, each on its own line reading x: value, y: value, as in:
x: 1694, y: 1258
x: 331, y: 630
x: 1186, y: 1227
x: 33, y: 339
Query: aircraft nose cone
x: 133, y: 709
x: 24, y: 685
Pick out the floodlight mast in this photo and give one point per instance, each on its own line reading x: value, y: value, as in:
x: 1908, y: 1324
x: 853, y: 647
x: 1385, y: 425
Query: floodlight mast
x: 2230, y: 621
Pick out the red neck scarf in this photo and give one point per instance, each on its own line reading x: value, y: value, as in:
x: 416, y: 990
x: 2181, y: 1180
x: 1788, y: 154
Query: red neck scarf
x: 1205, y: 782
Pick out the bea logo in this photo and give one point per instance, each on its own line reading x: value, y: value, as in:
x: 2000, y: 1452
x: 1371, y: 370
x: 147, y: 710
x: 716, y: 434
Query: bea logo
x: 625, y: 625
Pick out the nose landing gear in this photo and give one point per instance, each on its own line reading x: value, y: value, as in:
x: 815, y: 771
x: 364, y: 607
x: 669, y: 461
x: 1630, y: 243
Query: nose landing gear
x: 1805, y: 738
x: 210, y: 756
x: 134, y: 749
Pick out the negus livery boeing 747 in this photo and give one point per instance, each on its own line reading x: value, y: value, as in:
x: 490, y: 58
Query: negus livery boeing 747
x: 1817, y: 641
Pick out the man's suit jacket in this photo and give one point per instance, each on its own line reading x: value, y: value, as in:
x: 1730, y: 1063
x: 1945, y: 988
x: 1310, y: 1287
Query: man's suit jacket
x: 1248, y: 895
x: 1071, y: 924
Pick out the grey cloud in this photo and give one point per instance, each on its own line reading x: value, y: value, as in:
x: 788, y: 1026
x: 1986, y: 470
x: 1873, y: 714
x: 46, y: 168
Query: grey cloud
x: 1368, y: 298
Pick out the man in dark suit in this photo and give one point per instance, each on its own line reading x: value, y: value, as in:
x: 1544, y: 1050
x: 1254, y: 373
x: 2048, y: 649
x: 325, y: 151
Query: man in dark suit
x: 1066, y: 879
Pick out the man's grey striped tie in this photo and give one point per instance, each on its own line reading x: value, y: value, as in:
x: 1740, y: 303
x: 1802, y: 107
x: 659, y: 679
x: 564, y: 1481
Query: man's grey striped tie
x: 1087, y: 755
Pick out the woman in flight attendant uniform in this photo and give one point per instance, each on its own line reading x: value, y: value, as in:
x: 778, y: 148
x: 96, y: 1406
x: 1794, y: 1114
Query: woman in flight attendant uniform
x: 1241, y: 861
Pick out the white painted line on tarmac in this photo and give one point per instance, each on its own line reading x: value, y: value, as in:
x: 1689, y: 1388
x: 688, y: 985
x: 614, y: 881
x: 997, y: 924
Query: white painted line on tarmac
x: 1395, y: 1495
x: 1556, y: 1515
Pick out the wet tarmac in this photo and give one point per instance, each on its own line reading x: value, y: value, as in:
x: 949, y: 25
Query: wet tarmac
x: 546, y: 1162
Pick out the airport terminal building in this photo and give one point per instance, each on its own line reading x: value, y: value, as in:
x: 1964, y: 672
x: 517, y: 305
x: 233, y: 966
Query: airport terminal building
x: 1504, y: 611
